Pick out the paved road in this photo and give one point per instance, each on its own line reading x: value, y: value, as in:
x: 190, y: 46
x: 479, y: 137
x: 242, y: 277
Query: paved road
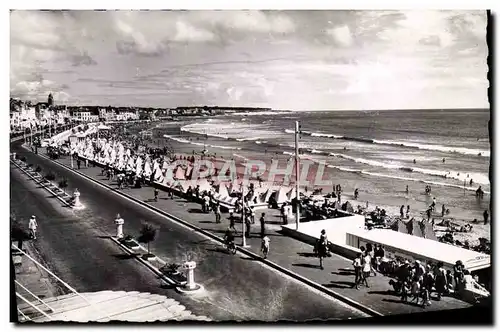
x: 72, y: 243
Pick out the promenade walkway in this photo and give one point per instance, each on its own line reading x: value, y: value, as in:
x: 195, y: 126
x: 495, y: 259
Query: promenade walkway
x: 287, y: 252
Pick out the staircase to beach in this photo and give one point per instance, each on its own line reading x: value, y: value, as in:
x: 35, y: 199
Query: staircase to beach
x: 106, y: 306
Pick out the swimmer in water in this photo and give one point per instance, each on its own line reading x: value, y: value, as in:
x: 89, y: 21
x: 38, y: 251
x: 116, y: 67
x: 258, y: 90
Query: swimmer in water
x: 444, y: 160
x: 414, y: 161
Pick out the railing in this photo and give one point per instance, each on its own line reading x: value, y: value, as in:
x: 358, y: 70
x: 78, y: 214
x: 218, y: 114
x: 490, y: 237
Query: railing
x: 71, y: 289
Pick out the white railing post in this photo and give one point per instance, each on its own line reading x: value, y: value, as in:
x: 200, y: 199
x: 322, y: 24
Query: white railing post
x: 25, y: 317
x: 36, y: 297
x: 34, y: 306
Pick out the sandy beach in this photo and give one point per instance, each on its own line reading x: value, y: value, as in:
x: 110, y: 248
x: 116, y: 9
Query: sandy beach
x: 382, y: 194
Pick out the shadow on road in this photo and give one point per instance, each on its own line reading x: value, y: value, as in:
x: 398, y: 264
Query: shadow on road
x: 123, y: 256
x: 306, y: 254
x: 312, y: 266
x: 399, y: 301
x: 339, y: 284
x: 386, y: 292
x: 196, y: 211
x: 343, y: 273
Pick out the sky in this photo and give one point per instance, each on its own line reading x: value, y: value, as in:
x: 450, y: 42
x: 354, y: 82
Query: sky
x: 294, y: 60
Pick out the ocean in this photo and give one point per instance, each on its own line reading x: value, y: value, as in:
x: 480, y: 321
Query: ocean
x: 378, y: 152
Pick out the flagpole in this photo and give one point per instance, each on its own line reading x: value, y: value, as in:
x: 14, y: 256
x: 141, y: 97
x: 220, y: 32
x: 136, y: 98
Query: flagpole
x: 297, y: 180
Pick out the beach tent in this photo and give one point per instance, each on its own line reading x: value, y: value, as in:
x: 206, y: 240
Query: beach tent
x: 182, y: 186
x: 204, y: 185
x: 222, y: 190
x: 189, y: 172
x: 103, y: 127
x: 158, y: 176
x: 180, y: 173
x: 264, y: 196
x: 347, y: 207
x: 147, y: 168
x: 292, y: 194
x: 235, y: 187
x: 281, y: 196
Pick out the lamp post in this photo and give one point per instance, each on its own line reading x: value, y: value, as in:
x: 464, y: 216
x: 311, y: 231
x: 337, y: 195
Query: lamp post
x: 297, y: 180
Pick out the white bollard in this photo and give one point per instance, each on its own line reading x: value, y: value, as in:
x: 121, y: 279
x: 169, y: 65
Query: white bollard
x: 76, y: 197
x: 190, y: 266
x: 119, y: 226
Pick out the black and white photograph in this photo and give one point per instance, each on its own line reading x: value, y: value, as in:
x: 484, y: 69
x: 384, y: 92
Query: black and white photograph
x: 250, y: 166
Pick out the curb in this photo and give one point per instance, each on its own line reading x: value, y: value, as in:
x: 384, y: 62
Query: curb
x: 342, y: 298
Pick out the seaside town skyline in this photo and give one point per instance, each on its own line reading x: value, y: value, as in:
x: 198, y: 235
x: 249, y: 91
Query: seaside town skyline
x: 292, y: 60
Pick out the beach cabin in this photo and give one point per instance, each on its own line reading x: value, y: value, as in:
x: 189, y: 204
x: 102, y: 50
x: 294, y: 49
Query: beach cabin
x: 408, y: 247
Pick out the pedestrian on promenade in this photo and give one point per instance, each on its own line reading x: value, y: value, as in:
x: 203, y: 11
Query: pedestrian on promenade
x: 415, y: 289
x: 357, y: 270
x: 78, y: 162
x: 402, y: 211
x: 485, y: 216
x: 367, y: 267
x: 427, y: 285
x: 405, y: 290
x: 322, y: 248
x: 217, y: 213
x: 262, y: 225
x: 156, y: 192
x: 283, y: 214
x: 408, y: 211
x: 407, y: 190
x: 252, y: 214
x: 441, y: 282
x: 232, y: 221
x: 247, y: 226
x: 32, y: 225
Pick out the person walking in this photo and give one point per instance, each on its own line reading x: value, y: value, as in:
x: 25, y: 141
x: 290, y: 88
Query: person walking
x: 485, y: 216
x: 217, y: 213
x: 357, y: 270
x: 322, y: 248
x: 156, y: 192
x: 232, y: 221
x: 283, y: 214
x: 402, y: 211
x: 408, y: 211
x: 367, y: 268
x: 32, y: 225
x: 248, y: 225
x: 441, y: 282
x: 78, y: 162
x: 262, y: 225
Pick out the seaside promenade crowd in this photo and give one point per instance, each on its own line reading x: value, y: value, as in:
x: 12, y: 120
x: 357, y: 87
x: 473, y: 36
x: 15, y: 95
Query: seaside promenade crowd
x: 142, y: 165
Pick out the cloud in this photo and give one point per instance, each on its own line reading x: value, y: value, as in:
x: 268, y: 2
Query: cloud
x: 304, y: 58
x: 83, y: 60
x: 341, y: 35
x: 188, y: 33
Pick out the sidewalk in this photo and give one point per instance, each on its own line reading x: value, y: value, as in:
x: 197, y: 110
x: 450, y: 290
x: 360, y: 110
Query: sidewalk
x: 289, y: 253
